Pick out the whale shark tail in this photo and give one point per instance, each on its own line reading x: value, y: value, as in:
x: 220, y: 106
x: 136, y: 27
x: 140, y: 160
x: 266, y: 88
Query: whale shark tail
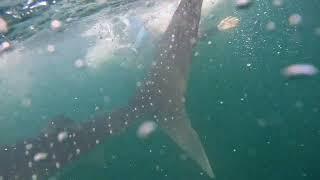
x: 179, y: 129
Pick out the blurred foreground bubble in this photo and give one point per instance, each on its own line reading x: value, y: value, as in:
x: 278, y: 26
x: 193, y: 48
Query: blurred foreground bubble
x: 296, y: 70
x: 228, y: 23
x: 56, y: 25
x: 3, y: 26
x: 271, y: 26
x: 40, y: 156
x: 277, y: 3
x: 317, y: 31
x: 4, y: 46
x: 62, y: 136
x: 243, y: 3
x: 101, y: 1
x: 295, y: 19
x: 146, y: 128
x: 51, y: 48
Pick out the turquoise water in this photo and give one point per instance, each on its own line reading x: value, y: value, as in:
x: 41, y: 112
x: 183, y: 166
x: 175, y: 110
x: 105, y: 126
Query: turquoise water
x: 254, y: 123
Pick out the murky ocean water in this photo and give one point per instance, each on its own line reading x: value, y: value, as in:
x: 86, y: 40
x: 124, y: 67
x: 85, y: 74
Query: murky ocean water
x: 254, y: 122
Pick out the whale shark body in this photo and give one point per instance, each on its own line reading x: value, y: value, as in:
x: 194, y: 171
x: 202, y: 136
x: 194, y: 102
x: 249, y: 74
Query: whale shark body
x: 161, y: 98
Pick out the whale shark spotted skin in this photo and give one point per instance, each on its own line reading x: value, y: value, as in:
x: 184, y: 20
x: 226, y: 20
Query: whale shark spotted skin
x: 161, y: 97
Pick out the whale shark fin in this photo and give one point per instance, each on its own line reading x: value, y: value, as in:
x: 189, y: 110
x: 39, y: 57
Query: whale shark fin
x: 179, y: 129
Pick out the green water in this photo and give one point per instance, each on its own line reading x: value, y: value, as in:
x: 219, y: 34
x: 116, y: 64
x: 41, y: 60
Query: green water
x: 254, y: 123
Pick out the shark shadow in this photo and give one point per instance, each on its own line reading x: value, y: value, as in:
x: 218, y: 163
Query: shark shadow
x: 161, y: 97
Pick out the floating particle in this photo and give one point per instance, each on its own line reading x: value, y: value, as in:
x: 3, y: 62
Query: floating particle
x: 79, y: 64
x: 140, y: 66
x: 252, y: 152
x: 26, y: 102
x: 277, y: 3
x: 101, y: 1
x: 317, y: 31
x: 56, y: 25
x: 69, y: 19
x: 106, y: 99
x: 243, y: 3
x: 271, y: 26
x: 149, y: 4
x: 183, y: 157
x: 300, y: 70
x: 40, y: 156
x: 3, y: 26
x: 34, y: 177
x: 157, y: 168
x: 146, y: 128
x: 262, y: 123
x: 62, y: 136
x: 209, y: 42
x: 228, y: 23
x: 193, y: 40
x: 57, y: 165
x: 139, y: 84
x: 299, y: 104
x: 51, y: 48
x: 29, y: 146
x: 295, y: 19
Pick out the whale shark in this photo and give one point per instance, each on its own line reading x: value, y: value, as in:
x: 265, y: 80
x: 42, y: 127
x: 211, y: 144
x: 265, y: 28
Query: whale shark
x: 161, y: 97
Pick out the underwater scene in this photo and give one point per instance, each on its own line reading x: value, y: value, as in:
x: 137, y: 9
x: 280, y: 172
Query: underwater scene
x: 159, y: 89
